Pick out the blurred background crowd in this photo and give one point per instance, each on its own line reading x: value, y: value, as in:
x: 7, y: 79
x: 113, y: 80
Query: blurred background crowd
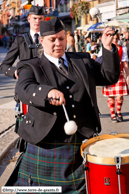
x: 82, y: 41
x: 6, y: 40
x: 79, y: 41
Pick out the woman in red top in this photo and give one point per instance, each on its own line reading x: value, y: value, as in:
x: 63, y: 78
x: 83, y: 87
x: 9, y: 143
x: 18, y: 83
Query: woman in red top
x: 117, y: 91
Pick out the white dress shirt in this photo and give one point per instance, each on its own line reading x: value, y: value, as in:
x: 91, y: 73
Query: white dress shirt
x: 32, y: 33
x: 56, y: 60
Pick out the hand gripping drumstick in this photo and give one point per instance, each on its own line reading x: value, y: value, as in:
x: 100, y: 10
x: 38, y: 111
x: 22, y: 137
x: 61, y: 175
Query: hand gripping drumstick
x: 95, y: 12
x: 70, y: 127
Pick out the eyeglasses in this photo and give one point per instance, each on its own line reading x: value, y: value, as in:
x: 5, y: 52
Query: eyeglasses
x: 115, y: 39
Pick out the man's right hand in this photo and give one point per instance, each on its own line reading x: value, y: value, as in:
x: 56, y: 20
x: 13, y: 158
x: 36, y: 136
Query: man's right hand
x: 15, y: 73
x: 57, y: 97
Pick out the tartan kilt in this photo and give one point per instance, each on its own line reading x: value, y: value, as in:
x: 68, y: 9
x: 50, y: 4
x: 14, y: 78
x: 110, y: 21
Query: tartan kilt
x: 120, y: 88
x: 51, y: 164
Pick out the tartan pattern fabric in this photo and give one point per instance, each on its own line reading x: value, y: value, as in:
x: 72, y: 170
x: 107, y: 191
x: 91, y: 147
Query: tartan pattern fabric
x: 119, y: 105
x: 53, y: 164
x: 120, y: 88
x: 111, y: 105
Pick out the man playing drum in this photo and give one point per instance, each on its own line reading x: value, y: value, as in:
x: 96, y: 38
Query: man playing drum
x: 52, y: 157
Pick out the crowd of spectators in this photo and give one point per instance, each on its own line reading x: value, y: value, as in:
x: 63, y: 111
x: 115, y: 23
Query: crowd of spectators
x: 6, y: 40
x: 92, y: 43
x: 84, y: 42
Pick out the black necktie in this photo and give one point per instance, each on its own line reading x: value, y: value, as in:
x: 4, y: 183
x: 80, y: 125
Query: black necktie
x: 63, y: 67
x: 36, y: 38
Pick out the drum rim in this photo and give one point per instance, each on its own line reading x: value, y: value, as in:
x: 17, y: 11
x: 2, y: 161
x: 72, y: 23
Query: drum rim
x: 104, y: 160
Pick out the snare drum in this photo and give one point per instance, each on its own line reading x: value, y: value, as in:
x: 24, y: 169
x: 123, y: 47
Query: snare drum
x: 106, y: 161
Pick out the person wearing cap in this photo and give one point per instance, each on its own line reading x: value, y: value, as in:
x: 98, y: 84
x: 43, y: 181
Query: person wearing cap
x: 21, y: 48
x: 52, y: 157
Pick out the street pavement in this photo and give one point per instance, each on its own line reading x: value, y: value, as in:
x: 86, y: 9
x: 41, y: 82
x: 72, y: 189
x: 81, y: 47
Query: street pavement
x: 9, y: 154
x: 107, y: 125
x: 3, y: 52
x: 7, y: 125
x: 7, y: 105
x: 8, y: 137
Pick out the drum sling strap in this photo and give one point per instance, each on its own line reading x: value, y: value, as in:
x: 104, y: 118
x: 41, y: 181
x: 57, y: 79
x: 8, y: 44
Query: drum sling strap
x: 30, y: 45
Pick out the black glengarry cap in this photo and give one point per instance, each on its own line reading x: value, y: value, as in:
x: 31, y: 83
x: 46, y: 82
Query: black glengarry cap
x: 36, y: 10
x: 51, y: 27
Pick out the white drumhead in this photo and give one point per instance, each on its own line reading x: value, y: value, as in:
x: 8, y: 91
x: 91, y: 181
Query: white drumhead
x: 109, y: 147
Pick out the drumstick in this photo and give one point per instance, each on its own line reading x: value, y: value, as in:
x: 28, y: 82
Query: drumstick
x: 66, y: 114
x: 70, y: 127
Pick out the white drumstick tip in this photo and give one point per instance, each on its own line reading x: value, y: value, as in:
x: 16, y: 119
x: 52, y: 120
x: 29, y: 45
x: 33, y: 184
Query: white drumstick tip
x: 70, y: 127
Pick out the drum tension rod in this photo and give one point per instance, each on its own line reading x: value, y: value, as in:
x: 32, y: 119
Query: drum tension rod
x: 84, y: 160
x: 118, y: 164
x: 118, y: 171
x: 84, y: 156
x: 85, y: 168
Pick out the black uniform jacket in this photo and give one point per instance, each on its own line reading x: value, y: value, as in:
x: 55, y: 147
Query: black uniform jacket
x: 18, y: 49
x: 36, y: 79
